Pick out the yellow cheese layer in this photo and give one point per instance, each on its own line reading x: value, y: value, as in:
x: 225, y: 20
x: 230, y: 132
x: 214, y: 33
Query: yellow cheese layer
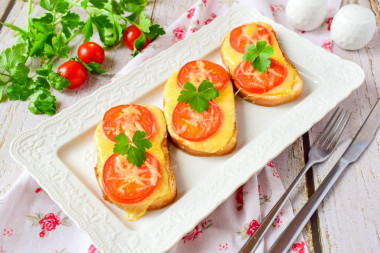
x: 226, y: 102
x: 105, y: 147
x: 233, y: 58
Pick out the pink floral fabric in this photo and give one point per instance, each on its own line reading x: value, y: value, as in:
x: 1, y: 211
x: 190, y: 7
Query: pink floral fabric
x: 34, y: 223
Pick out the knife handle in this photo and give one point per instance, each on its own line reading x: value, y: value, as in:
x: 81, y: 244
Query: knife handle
x: 287, y: 237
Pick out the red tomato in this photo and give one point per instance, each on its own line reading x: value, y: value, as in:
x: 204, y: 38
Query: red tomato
x: 126, y: 183
x: 240, y: 41
x: 91, y: 52
x: 127, y: 119
x: 194, y: 126
x: 73, y: 71
x: 249, y: 79
x: 130, y: 35
x: 197, y: 71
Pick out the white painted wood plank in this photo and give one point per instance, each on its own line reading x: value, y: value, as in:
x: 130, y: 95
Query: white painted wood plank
x: 348, y: 217
x: 3, y: 7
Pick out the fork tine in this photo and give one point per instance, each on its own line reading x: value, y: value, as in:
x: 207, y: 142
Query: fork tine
x: 324, y: 131
x: 339, y: 133
x: 333, y: 129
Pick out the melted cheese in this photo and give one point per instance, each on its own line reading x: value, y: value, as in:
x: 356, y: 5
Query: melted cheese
x: 225, y: 100
x: 105, y: 147
x: 233, y: 58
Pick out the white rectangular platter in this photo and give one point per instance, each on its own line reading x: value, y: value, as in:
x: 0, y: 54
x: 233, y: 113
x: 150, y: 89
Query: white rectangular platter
x: 60, y: 152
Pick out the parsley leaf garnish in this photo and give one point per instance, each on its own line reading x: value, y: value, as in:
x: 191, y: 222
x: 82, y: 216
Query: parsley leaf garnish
x: 198, y: 100
x: 42, y: 102
x: 259, y: 55
x: 134, y: 150
x: 92, y: 67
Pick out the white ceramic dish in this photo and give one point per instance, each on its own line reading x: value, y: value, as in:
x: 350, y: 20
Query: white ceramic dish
x: 60, y: 152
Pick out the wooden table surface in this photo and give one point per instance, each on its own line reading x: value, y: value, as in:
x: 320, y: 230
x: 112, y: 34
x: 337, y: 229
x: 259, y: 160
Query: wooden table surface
x: 348, y: 219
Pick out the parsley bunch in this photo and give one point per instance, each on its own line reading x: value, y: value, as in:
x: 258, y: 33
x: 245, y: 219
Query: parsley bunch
x: 134, y: 150
x: 198, y: 100
x: 47, y: 37
x: 259, y: 55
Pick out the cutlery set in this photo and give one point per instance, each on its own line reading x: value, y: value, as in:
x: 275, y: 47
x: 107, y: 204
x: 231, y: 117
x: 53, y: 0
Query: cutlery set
x: 321, y: 150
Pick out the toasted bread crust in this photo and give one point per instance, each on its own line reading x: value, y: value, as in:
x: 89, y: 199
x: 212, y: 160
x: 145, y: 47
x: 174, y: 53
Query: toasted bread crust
x: 168, y: 199
x: 226, y: 149
x: 264, y: 99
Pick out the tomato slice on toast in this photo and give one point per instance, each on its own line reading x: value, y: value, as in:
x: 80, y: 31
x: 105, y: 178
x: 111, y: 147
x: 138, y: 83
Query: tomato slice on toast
x: 251, y: 80
x: 199, y: 70
x: 128, y: 184
x: 194, y: 126
x: 240, y: 40
x: 128, y: 119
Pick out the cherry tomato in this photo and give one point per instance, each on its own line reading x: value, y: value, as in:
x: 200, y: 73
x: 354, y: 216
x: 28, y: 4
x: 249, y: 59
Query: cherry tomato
x: 195, y: 126
x: 239, y: 40
x: 128, y: 119
x: 91, y: 52
x: 126, y: 183
x: 130, y: 35
x: 73, y: 71
x: 249, y: 79
x: 197, y: 71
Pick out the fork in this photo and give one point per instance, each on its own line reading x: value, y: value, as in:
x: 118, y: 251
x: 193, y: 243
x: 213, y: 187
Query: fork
x: 319, y: 152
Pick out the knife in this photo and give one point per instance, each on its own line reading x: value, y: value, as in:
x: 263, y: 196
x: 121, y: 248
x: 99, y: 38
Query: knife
x: 361, y: 141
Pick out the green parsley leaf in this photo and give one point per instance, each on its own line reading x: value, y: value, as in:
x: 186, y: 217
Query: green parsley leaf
x: 44, y: 23
x: 40, y: 83
x: 45, y: 70
x: 87, y: 30
x: 140, y: 141
x: 10, y: 57
x: 155, y: 31
x: 99, y: 3
x: 135, y: 7
x: 259, y: 55
x: 134, y: 150
x: 138, y: 44
x: 60, y: 6
x: 198, y: 101
x: 116, y: 8
x: 58, y: 82
x: 144, y: 23
x: 92, y: 67
x: 84, y: 4
x: 20, y: 72
x: 70, y: 21
x: 16, y: 91
x: 38, y: 44
x: 60, y: 46
x: 42, y: 102
x: 95, y: 68
x: 2, y: 88
x: 101, y: 23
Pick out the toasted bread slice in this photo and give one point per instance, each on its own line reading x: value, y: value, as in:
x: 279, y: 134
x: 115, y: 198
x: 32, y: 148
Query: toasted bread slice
x: 221, y: 142
x: 165, y: 192
x: 289, y: 89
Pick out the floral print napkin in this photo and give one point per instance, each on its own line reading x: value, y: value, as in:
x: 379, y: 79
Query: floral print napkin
x: 31, y: 222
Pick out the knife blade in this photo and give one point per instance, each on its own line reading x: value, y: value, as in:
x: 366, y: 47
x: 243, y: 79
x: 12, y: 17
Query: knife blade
x: 358, y: 145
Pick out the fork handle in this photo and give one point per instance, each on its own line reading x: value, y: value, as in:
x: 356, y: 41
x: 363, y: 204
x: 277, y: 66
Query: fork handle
x: 287, y: 237
x: 253, y: 242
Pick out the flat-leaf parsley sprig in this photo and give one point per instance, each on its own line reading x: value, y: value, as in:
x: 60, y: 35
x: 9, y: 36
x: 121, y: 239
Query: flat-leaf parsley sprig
x: 198, y: 100
x: 259, y: 55
x: 135, y: 150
